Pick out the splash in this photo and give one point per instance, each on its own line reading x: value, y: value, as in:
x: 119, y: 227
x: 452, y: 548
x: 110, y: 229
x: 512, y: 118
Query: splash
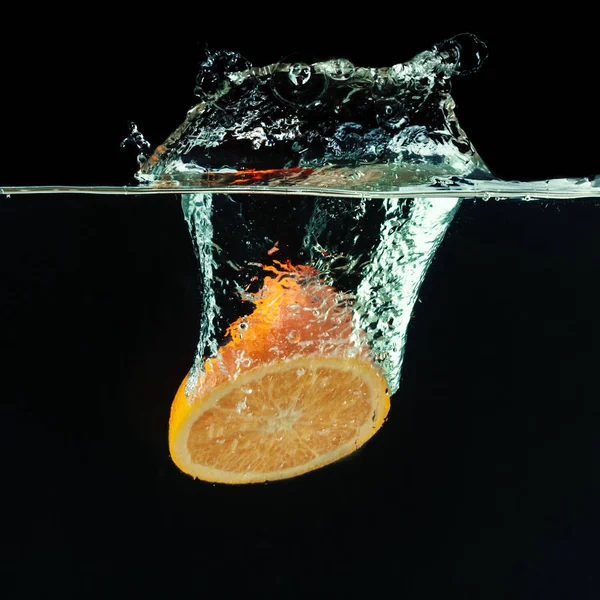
x: 329, y: 124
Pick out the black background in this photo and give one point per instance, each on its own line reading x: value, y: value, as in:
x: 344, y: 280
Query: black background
x: 484, y: 481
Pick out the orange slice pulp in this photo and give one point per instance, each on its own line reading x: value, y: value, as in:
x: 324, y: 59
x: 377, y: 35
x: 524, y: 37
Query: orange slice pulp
x: 293, y: 390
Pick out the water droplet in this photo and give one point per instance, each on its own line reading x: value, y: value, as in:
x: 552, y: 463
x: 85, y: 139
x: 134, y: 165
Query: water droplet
x: 246, y: 390
x: 293, y: 336
x: 136, y: 139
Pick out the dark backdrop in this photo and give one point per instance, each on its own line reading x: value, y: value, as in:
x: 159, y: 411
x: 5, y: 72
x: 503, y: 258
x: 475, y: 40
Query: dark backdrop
x: 484, y: 481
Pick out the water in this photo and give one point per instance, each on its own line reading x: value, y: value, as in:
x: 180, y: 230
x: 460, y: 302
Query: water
x: 355, y: 173
x: 484, y: 477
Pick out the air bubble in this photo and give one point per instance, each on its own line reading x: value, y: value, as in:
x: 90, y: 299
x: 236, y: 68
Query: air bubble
x: 293, y: 336
x: 390, y: 113
x: 299, y: 74
x: 298, y: 84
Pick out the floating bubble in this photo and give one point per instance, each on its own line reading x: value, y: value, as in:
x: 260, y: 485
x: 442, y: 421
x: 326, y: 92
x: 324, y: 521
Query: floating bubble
x: 298, y: 84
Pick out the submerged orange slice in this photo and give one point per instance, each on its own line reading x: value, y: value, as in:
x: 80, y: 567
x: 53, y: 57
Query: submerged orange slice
x: 294, y: 390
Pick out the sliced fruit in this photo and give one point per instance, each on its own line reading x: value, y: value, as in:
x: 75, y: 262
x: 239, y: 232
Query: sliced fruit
x: 294, y: 389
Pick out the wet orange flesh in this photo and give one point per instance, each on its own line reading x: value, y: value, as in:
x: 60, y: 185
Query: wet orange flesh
x: 283, y: 420
x: 290, y: 392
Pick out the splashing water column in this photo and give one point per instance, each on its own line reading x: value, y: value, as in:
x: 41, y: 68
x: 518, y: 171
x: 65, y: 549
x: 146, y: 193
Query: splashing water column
x: 381, y: 280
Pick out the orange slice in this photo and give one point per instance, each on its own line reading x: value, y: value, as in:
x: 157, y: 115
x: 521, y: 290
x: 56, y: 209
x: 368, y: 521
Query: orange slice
x: 294, y: 390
